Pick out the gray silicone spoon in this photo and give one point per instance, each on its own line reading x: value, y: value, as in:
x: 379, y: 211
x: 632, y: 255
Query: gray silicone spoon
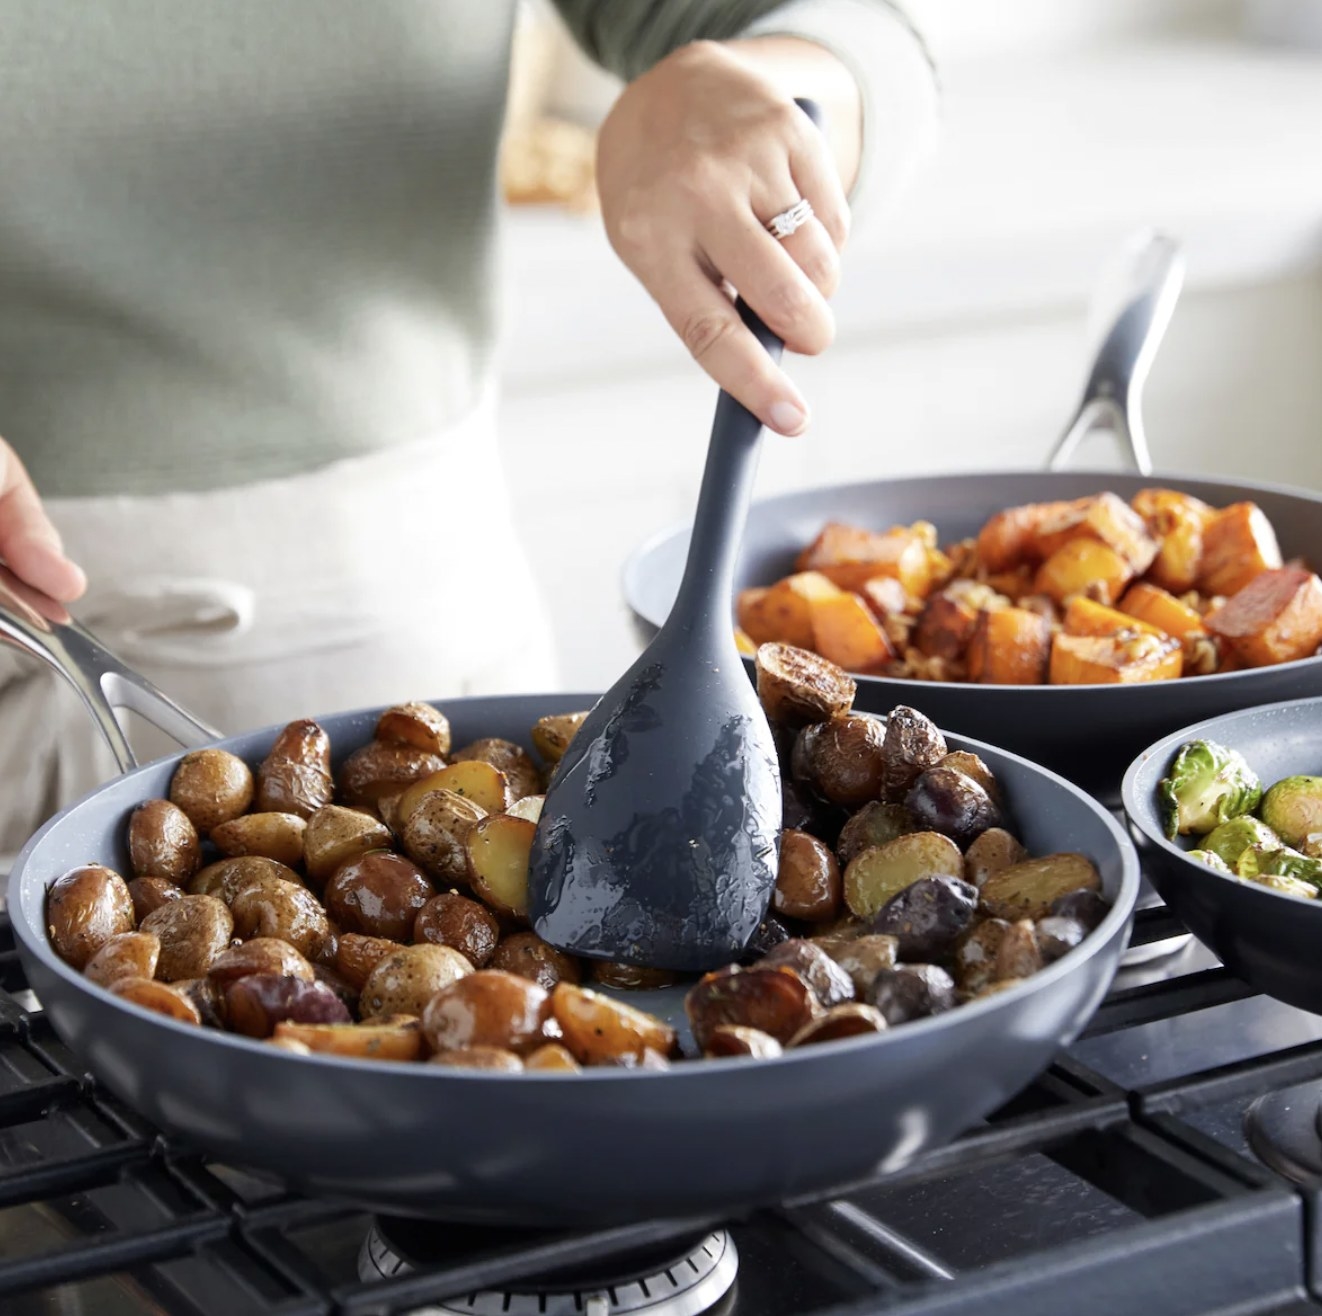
x: 659, y: 838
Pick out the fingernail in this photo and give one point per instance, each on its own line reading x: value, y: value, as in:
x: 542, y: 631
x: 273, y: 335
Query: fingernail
x: 788, y: 418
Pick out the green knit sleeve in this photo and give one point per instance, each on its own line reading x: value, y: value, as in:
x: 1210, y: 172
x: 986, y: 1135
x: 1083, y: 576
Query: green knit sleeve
x: 628, y: 36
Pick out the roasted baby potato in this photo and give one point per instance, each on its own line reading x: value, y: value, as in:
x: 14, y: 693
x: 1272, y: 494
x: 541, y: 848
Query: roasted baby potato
x: 378, y: 894
x: 255, y: 1004
x: 862, y: 958
x: 453, y: 920
x: 797, y: 687
x: 491, y: 1058
x: 1029, y: 889
x: 975, y: 962
x: 1057, y: 936
x: 193, y: 931
x: 850, y: 1020
x: 149, y: 894
x: 211, y: 786
x: 356, y: 956
x: 912, y: 745
x: 295, y: 775
x: 84, y: 909
x: 382, y: 767
x: 945, y: 800
x: 475, y: 779
x: 510, y: 759
x: 528, y: 808
x: 528, y: 956
x: 1019, y: 955
x: 398, y: 1039
x: 268, y: 955
x: 406, y: 979
x: 552, y: 1058
x: 277, y: 836
x: 842, y: 759
x: 334, y: 835
x: 488, y: 1008
x: 125, y: 955
x: 735, y: 1040
x: 877, y: 874
x: 828, y: 981
x: 163, y: 842
x: 158, y: 996
x: 551, y: 734
x: 419, y: 725
x: 912, y: 991
x: 988, y: 853
x: 498, y: 852
x: 928, y: 917
x: 874, y: 824
x: 437, y: 831
x: 286, y: 911
x: 597, y: 1030
x: 808, y: 879
x: 777, y: 1002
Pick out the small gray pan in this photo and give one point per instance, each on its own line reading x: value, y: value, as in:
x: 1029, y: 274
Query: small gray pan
x: 1271, y: 940
x: 605, y: 1146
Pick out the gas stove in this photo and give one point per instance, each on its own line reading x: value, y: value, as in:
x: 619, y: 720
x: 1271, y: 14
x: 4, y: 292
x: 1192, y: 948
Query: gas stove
x: 1135, y: 1176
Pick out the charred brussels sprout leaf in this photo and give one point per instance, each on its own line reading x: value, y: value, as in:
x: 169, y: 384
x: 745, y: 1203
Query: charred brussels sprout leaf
x: 1207, y: 786
x: 1211, y: 860
x: 1292, y: 808
x: 1278, y: 861
x: 1232, y: 838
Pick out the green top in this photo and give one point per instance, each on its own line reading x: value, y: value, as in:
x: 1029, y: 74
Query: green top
x: 243, y: 239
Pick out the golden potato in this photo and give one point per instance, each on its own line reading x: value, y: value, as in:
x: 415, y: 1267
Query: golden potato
x: 406, y: 979
x: 419, y: 725
x: 499, y: 848
x: 551, y: 734
x: 597, y: 1030
x: 295, y: 775
x: 335, y: 835
x: 193, y: 930
x: 1027, y: 889
x: 157, y: 996
x: 381, y: 768
x: 436, y: 833
x: 163, y: 842
x: 277, y: 836
x: 488, y: 1008
x: 399, y: 1039
x: 211, y: 786
x: 125, y: 955
x: 84, y: 909
x: 512, y: 760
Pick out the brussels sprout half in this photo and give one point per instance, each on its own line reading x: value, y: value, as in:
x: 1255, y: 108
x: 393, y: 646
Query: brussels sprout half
x: 1207, y: 786
x: 1278, y: 861
x: 1212, y: 860
x: 1232, y: 838
x: 1292, y: 808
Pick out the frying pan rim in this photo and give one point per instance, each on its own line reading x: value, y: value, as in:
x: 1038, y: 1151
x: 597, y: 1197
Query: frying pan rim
x: 1161, y: 750
x: 33, y: 939
x: 648, y: 546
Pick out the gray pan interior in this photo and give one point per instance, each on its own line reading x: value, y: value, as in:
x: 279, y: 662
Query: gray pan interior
x: 1269, y: 939
x: 595, y: 1148
x: 1087, y: 733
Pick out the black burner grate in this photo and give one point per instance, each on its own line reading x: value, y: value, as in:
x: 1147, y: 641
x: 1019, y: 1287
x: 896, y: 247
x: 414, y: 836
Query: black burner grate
x: 1089, y: 1193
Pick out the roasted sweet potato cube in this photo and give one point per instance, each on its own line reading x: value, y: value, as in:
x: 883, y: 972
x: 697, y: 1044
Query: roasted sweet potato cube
x: 1084, y: 566
x: 885, y: 596
x: 1276, y: 618
x: 850, y: 556
x: 945, y: 627
x: 783, y: 612
x: 1155, y: 505
x: 1109, y: 521
x: 846, y: 633
x: 1157, y: 607
x: 1009, y: 538
x: 1010, y: 647
x: 1176, y: 521
x: 1114, y: 660
x: 1083, y: 616
x: 1238, y: 544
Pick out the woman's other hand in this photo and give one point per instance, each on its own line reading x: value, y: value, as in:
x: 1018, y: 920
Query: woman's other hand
x: 29, y: 544
x: 693, y: 160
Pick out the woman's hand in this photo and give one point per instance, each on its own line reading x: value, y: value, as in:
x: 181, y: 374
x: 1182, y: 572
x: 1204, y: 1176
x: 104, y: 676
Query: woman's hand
x: 693, y: 160
x: 29, y: 544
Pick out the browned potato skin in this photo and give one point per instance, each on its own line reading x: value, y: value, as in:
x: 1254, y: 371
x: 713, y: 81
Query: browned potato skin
x: 513, y: 760
x: 288, y: 911
x: 797, y: 687
x: 528, y: 956
x: 334, y: 835
x: 989, y: 853
x: 378, y: 894
x: 267, y: 955
x: 1028, y: 889
x: 394, y: 1039
x: 125, y: 955
x: 774, y: 1001
x: 435, y: 833
x: 356, y: 956
x: 1018, y: 955
x: 406, y: 979
x: 631, y: 977
x: 912, y: 745
x: 450, y: 919
x: 490, y: 1058
x: 862, y: 958
x: 975, y: 955
x: 488, y: 1008
x: 381, y: 768
x: 157, y: 996
x: 254, y: 1005
x: 84, y: 909
x: 848, y: 1020
x: 193, y: 930
x: 552, y: 1058
x: 551, y: 734
x: 275, y: 836
x: 211, y: 786
x: 808, y: 880
x: 419, y: 725
x: 1058, y: 935
x: 828, y: 981
x: 874, y: 824
x: 295, y: 775
x: 163, y: 842
x: 207, y: 999
x: 598, y: 1030
x: 843, y: 758
x: 226, y: 877
x: 149, y: 894
x: 735, y: 1040
x: 972, y: 766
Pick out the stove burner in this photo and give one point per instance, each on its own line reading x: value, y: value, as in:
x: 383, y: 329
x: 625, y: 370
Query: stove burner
x: 1284, y: 1129
x: 683, y: 1278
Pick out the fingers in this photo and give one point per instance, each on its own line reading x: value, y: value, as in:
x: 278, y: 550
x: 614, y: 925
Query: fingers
x: 29, y: 543
x: 707, y: 322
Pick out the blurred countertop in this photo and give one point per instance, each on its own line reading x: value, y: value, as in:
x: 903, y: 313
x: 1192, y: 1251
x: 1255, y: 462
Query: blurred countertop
x: 1045, y: 166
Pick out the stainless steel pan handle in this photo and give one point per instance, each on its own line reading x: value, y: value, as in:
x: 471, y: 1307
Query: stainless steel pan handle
x: 1132, y: 307
x: 36, y: 625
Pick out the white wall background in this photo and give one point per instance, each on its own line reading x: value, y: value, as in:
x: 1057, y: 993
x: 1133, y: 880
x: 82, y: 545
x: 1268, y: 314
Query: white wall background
x: 962, y: 342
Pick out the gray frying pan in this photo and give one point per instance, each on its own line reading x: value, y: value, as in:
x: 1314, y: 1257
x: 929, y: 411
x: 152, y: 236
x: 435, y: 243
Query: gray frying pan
x: 606, y: 1146
x: 1086, y: 733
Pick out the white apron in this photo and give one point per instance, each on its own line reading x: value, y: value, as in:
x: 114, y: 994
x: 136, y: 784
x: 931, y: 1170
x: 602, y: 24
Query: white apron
x: 374, y: 580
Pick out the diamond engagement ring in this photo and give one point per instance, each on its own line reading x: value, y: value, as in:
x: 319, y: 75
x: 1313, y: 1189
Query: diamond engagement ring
x: 791, y: 220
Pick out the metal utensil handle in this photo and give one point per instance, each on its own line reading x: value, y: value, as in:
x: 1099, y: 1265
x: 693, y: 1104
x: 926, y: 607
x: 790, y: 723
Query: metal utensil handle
x: 727, y: 482
x: 1134, y: 302
x: 36, y: 625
